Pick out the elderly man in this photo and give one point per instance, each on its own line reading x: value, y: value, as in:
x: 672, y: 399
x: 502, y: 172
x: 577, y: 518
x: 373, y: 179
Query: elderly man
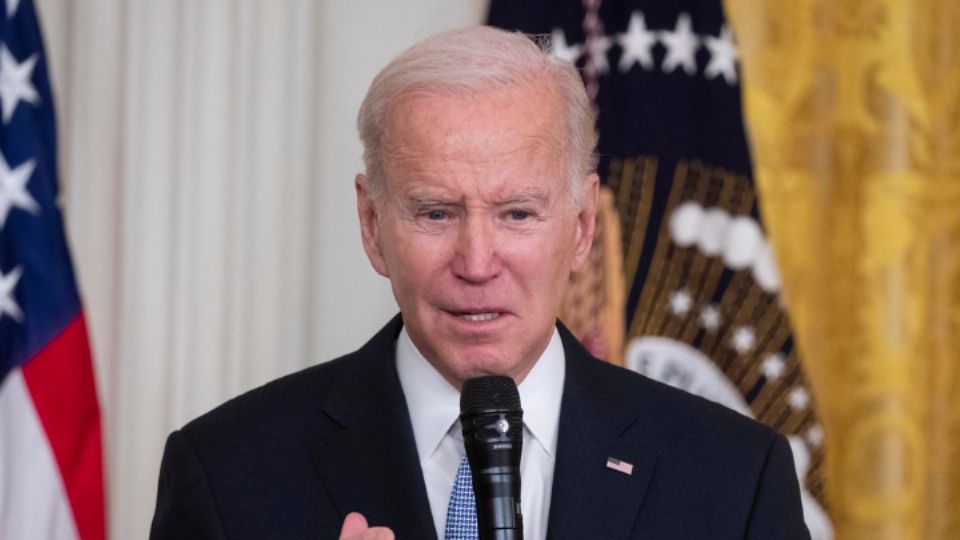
x: 478, y: 202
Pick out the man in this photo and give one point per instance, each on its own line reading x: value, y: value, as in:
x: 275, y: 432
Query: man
x: 478, y: 202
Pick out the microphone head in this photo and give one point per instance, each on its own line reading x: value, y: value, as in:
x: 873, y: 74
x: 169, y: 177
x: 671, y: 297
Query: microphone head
x: 489, y: 393
x: 492, y: 423
x: 490, y: 414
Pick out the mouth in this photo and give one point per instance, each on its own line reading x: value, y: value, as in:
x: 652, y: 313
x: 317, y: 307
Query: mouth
x: 482, y: 314
x: 480, y: 317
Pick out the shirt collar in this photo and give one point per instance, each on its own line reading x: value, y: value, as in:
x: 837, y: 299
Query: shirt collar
x: 434, y: 404
x: 541, y: 392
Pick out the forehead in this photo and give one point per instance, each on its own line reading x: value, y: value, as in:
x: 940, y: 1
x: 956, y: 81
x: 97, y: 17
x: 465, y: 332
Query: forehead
x: 479, y: 127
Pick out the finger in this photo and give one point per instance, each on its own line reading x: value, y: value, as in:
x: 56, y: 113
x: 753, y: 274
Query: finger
x: 353, y: 525
x: 376, y: 533
x: 380, y: 533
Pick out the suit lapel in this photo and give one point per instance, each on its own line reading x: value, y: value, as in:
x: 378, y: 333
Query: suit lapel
x: 590, y: 500
x: 370, y: 464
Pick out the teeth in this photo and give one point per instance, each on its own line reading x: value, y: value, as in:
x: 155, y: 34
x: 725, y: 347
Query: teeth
x: 481, y: 316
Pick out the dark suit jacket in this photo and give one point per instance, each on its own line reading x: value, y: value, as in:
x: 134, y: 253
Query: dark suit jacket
x: 292, y: 458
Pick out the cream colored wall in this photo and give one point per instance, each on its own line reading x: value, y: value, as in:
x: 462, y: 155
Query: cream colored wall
x: 208, y: 150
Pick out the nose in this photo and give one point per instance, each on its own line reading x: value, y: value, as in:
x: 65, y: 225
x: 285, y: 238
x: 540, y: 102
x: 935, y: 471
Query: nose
x: 477, y: 260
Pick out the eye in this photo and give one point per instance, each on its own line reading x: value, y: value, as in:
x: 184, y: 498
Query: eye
x: 436, y: 215
x: 519, y: 215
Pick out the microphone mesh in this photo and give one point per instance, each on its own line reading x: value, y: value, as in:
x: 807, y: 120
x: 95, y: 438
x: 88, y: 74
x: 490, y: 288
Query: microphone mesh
x: 482, y: 394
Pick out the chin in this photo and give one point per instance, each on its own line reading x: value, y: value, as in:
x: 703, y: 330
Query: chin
x: 479, y: 366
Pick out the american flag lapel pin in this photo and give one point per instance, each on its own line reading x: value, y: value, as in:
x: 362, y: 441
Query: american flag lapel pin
x: 620, y: 466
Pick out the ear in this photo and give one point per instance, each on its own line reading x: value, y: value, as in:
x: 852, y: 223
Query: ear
x: 369, y: 225
x: 586, y: 222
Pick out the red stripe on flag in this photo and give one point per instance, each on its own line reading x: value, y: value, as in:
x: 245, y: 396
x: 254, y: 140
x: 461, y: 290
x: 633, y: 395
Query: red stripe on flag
x: 61, y: 383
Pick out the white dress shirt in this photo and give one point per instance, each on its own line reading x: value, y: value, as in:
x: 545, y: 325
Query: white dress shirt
x: 434, y: 407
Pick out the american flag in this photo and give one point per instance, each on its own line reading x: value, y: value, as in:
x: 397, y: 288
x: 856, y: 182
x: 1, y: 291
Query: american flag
x: 51, y: 479
x: 620, y: 466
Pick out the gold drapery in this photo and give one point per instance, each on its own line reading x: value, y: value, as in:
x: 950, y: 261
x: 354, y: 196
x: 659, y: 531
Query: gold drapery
x: 853, y: 110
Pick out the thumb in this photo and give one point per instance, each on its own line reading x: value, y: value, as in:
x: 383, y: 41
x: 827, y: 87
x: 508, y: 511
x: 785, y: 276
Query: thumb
x: 354, y: 524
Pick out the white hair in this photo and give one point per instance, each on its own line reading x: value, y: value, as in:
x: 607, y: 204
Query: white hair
x: 469, y: 62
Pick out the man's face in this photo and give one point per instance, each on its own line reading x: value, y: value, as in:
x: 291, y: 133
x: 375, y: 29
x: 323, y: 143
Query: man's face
x: 476, y: 228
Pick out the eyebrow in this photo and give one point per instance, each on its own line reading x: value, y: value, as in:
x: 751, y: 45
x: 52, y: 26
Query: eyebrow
x: 428, y: 199
x: 526, y: 196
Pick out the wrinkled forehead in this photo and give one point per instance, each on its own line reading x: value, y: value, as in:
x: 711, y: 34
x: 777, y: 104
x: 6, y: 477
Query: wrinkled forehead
x: 475, y: 126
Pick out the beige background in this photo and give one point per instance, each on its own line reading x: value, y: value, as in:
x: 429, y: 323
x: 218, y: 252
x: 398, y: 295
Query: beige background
x: 207, y: 157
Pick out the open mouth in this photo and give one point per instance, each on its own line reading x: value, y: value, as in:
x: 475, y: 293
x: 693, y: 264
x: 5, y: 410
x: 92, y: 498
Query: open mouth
x: 479, y: 317
x: 477, y: 314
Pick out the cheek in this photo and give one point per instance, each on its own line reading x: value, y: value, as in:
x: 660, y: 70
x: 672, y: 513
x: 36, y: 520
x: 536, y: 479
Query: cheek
x: 541, y: 263
x: 559, y: 249
x: 415, y: 262
x: 562, y: 258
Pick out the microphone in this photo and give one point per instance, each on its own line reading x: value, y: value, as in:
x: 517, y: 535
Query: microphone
x: 492, y: 422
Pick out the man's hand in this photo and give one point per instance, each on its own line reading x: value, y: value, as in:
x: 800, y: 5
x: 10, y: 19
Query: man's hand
x: 355, y: 528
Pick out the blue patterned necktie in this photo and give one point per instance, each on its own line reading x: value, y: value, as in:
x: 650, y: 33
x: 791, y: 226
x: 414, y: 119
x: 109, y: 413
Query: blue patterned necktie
x: 462, y: 510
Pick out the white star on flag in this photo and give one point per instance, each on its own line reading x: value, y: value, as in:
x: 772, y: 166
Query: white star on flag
x: 774, y: 366
x: 743, y: 339
x: 13, y: 188
x: 12, y: 6
x: 798, y: 398
x: 8, y: 305
x: 636, y: 44
x: 598, y: 53
x: 710, y: 318
x: 15, y: 85
x: 723, y: 56
x: 680, y: 303
x: 681, y: 46
x: 560, y: 49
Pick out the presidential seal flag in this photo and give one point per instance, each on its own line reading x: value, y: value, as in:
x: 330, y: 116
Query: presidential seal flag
x: 51, y: 481
x: 703, y: 309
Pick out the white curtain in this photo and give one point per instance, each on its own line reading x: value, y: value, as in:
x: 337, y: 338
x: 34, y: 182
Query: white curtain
x: 208, y: 150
